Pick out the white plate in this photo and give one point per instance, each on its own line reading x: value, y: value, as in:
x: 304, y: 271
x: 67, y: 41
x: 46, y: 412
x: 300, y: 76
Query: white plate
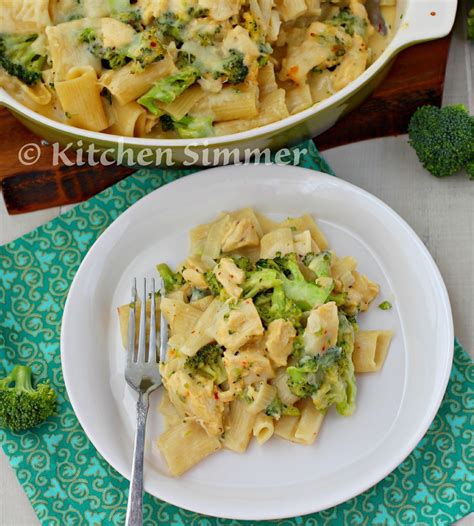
x: 280, y: 479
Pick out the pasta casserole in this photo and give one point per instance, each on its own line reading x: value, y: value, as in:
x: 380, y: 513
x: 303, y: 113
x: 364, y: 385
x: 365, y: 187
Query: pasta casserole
x: 264, y: 337
x: 182, y: 68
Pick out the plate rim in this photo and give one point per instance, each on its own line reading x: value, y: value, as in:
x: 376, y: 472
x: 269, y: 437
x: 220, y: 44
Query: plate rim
x: 343, y: 495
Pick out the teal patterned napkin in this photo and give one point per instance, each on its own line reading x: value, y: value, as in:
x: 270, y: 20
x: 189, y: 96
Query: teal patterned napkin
x: 70, y: 484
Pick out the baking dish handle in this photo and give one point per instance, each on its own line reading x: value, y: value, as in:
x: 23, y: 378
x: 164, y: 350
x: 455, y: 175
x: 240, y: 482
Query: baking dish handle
x: 426, y: 20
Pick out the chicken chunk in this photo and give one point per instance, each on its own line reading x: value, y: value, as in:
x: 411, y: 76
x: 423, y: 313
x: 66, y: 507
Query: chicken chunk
x: 230, y: 276
x: 321, y: 329
x: 242, y: 234
x: 279, y: 341
x: 277, y: 241
x: 194, y: 397
x: 238, y: 326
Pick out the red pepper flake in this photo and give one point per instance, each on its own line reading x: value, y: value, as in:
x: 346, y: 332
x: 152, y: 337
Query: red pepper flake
x: 216, y: 395
x: 153, y: 44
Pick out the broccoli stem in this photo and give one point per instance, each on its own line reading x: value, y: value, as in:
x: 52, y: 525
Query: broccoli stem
x: 21, y: 375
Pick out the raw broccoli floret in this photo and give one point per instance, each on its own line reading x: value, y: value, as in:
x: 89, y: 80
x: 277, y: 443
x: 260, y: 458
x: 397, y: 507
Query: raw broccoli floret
x: 349, y: 22
x: 169, y: 88
x: 276, y: 306
x: 319, y: 263
x: 21, y: 405
x: 276, y: 409
x: 19, y: 58
x: 234, y: 68
x: 208, y: 362
x: 172, y: 280
x: 443, y: 139
x: 470, y: 24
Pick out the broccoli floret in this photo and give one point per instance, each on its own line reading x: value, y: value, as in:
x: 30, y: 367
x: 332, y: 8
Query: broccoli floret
x: 353, y: 321
x: 172, y: 280
x: 167, y: 123
x: 306, y: 378
x: 207, y: 38
x: 145, y: 49
x: 168, y: 89
x: 259, y: 281
x: 280, y: 290
x: 276, y: 409
x: 470, y: 24
x: 110, y: 57
x: 345, y: 405
x: 243, y: 263
x: 171, y: 25
x: 131, y: 18
x: 217, y: 290
x: 88, y: 36
x: 19, y: 58
x: 234, y: 68
x: 208, y: 362
x: 349, y: 22
x: 340, y: 298
x: 304, y: 293
x: 21, y: 405
x: 319, y: 263
x: 257, y: 35
x: 188, y: 127
x: 328, y: 377
x: 276, y: 306
x: 297, y: 350
x: 443, y: 139
x: 194, y: 127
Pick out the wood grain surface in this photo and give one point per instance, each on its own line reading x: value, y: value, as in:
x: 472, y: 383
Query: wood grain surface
x: 416, y: 78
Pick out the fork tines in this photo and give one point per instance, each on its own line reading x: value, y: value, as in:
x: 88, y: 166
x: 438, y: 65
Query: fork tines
x: 140, y: 354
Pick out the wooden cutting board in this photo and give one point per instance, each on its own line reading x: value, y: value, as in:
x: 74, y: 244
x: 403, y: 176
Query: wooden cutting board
x: 416, y: 78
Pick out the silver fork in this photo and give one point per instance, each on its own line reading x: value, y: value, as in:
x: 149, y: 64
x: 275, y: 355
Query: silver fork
x: 142, y: 375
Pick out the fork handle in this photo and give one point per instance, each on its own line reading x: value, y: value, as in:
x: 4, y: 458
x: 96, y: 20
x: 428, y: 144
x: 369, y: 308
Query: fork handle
x: 135, y: 495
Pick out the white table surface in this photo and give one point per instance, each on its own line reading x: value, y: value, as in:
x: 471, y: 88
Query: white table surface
x: 441, y: 211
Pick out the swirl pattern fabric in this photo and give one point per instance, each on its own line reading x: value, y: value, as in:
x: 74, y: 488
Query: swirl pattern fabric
x: 69, y: 484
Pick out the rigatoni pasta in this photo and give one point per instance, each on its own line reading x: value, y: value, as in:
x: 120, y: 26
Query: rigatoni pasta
x: 197, y: 68
x: 79, y: 95
x: 262, y: 345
